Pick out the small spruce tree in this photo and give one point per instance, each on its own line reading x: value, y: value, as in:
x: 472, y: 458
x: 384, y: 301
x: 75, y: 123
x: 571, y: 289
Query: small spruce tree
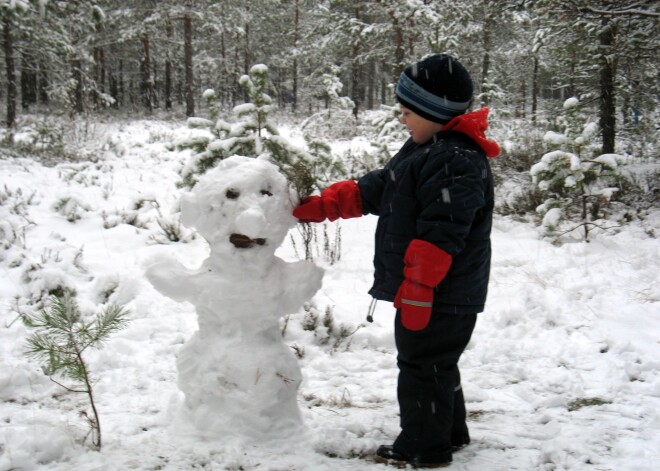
x: 336, y: 119
x: 61, y: 338
x: 577, y: 185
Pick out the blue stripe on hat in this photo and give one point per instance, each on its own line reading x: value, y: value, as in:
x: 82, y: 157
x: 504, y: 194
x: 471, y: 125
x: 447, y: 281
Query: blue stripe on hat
x: 439, y: 107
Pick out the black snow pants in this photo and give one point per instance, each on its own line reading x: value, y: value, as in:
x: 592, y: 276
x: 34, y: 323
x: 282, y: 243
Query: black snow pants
x: 431, y: 403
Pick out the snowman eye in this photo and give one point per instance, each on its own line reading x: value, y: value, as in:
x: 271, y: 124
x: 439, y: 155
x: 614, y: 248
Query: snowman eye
x: 232, y: 194
x: 266, y: 193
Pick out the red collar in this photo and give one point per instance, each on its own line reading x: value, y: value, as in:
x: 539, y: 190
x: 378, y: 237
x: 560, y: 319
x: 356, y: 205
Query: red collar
x: 474, y: 126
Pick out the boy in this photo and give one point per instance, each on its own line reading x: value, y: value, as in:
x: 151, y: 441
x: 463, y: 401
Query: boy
x: 434, y: 202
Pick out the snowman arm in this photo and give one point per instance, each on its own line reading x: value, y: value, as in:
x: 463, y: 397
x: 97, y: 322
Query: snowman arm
x: 301, y: 281
x: 171, y: 279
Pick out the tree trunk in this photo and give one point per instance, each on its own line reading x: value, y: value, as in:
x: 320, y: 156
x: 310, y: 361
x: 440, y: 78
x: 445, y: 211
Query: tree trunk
x: 522, y: 110
x: 42, y: 84
x: 247, y: 53
x: 485, y: 64
x: 99, y: 70
x: 296, y: 38
x: 78, y: 98
x: 147, y: 78
x: 101, y: 83
x: 29, y: 79
x: 355, y: 81
x: 571, y: 90
x: 114, y: 89
x: 188, y: 60
x: 225, y: 82
x: 607, y: 93
x: 235, y: 87
x: 412, y: 37
x: 535, y: 88
x: 121, y: 89
x: 11, y: 71
x: 371, y: 84
x: 99, y: 75
x: 399, y: 53
x: 169, y: 31
x: 355, y: 68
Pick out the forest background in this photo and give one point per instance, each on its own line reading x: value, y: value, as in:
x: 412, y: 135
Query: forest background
x: 74, y: 58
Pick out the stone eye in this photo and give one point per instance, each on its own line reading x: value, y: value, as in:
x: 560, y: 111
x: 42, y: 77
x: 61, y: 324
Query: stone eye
x: 266, y: 193
x: 232, y: 194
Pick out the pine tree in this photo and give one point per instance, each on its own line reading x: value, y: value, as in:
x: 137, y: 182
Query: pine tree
x: 9, y: 13
x: 61, y: 338
x: 254, y: 134
x: 337, y: 108
x: 251, y: 135
x: 577, y: 185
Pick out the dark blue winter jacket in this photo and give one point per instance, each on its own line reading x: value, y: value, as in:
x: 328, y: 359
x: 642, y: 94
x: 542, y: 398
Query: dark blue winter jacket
x: 440, y: 192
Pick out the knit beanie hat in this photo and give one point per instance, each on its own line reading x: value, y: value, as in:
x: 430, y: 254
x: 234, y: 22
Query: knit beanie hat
x: 437, y: 88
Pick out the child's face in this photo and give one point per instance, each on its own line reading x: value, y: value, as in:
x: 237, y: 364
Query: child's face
x: 421, y: 129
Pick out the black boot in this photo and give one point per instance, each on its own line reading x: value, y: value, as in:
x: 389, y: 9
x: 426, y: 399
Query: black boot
x: 387, y: 455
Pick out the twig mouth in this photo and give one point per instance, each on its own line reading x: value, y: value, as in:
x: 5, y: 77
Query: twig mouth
x: 242, y: 241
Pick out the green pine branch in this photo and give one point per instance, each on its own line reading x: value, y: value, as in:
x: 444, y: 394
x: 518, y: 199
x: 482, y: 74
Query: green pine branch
x: 61, y: 336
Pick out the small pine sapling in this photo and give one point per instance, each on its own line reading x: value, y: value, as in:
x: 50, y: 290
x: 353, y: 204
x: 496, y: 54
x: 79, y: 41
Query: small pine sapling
x: 338, y: 109
x: 253, y: 134
x: 60, y: 339
x: 325, y: 328
x: 577, y: 187
x: 212, y: 104
x: 256, y: 112
x: 311, y: 320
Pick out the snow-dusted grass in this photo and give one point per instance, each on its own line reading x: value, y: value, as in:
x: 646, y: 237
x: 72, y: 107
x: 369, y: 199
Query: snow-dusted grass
x: 561, y: 373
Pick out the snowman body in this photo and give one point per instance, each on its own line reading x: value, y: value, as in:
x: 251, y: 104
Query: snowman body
x: 237, y: 374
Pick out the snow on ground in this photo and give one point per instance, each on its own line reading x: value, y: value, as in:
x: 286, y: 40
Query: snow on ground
x: 561, y: 373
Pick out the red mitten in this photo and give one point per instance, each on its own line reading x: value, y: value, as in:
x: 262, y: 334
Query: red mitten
x: 310, y: 210
x: 415, y: 302
x: 339, y: 200
x: 425, y: 266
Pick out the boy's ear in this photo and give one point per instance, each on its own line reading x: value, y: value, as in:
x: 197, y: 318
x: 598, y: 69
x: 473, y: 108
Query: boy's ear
x: 189, y: 209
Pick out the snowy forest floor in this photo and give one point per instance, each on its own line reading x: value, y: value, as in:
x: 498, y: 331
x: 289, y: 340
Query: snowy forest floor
x: 562, y: 372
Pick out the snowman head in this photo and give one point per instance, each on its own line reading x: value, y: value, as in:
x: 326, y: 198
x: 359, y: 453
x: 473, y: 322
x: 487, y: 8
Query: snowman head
x: 244, y: 205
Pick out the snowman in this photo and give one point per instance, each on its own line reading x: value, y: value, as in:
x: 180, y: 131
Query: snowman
x: 238, y: 376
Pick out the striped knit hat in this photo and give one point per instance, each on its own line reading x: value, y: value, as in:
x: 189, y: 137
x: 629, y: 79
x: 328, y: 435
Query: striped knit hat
x: 437, y: 88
